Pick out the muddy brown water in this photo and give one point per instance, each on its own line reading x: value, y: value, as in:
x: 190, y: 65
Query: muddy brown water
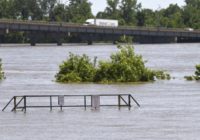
x: 169, y: 109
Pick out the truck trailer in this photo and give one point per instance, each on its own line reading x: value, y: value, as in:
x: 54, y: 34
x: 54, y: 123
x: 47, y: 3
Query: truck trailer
x: 102, y: 22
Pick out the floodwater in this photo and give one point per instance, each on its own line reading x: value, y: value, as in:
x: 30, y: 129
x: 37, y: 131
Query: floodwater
x: 170, y: 110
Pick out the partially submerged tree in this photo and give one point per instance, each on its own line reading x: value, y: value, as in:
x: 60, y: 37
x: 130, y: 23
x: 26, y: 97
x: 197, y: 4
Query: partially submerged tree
x: 196, y: 76
x: 76, y: 69
x: 124, y: 66
x: 1, y: 71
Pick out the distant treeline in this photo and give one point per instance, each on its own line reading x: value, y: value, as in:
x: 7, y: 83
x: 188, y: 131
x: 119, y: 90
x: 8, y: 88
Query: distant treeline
x: 128, y: 12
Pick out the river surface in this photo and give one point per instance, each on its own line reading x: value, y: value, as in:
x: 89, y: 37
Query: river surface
x: 170, y: 110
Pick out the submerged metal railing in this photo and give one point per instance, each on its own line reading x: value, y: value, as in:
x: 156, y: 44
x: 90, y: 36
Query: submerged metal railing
x: 21, y: 103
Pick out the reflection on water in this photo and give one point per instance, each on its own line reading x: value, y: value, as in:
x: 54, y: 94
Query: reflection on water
x: 169, y: 109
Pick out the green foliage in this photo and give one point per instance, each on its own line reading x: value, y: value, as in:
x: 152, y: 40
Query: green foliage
x: 171, y: 17
x: 13, y: 37
x: 7, y: 9
x: 146, y: 17
x: 189, y: 78
x: 111, y: 11
x: 47, y: 8
x: 130, y: 13
x: 162, y: 75
x: 196, y: 76
x: 76, y: 69
x: 125, y: 39
x: 127, y: 12
x: 191, y: 14
x: 124, y: 66
x: 28, y: 8
x: 59, y: 13
x: 79, y: 10
x: 1, y: 71
x: 197, y: 72
x: 124, y: 11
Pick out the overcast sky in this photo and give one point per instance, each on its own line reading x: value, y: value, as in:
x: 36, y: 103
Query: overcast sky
x: 99, y: 5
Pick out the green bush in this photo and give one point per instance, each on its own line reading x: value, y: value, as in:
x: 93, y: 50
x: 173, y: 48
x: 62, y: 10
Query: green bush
x: 197, y: 72
x: 124, y: 66
x: 1, y: 71
x: 189, y: 78
x: 162, y: 75
x: 196, y: 76
x: 76, y: 69
x: 125, y: 39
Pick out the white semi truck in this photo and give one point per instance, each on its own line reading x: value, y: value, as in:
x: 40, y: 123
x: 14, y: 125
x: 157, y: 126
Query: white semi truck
x: 102, y: 22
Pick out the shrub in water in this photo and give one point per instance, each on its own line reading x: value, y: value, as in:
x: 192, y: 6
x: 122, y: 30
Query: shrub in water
x: 1, y: 71
x: 196, y: 76
x: 124, y: 66
x: 162, y: 75
x: 125, y: 39
x: 197, y: 72
x: 76, y: 69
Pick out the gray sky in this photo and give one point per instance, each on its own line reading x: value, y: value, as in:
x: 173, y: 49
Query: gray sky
x: 99, y: 5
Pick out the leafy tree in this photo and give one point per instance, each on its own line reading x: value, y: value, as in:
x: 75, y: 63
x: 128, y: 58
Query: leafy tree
x: 196, y: 76
x: 191, y: 14
x: 35, y: 11
x: 127, y: 66
x: 3, y: 9
x: 7, y: 9
x: 102, y: 15
x: 194, y: 3
x: 76, y: 69
x: 79, y: 10
x: 124, y: 11
x: 1, y: 71
x: 47, y: 7
x: 59, y: 13
x: 124, y: 66
x: 112, y: 10
x: 28, y: 8
x: 146, y: 17
x: 22, y: 9
x: 128, y: 11
x: 172, y: 17
x: 197, y: 72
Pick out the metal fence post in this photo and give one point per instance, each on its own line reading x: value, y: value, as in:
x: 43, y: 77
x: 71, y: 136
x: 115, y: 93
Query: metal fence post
x: 15, y: 103
x: 24, y: 104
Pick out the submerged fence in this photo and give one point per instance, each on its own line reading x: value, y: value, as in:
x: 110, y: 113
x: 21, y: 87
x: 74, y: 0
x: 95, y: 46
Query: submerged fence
x: 22, y: 103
